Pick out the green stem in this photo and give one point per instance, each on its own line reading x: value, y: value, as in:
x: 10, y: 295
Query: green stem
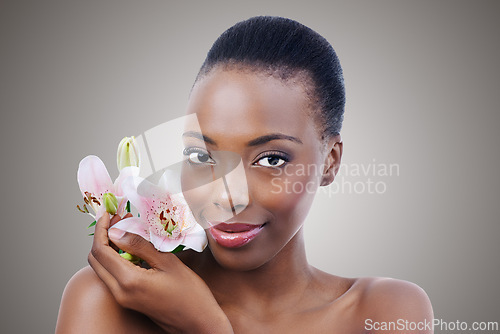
x: 178, y: 249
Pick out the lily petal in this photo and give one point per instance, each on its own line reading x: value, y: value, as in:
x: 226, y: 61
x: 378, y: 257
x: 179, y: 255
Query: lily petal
x: 101, y: 210
x: 122, y: 205
x: 187, y: 215
x: 125, y: 173
x: 133, y: 225
x: 153, y: 203
x: 164, y: 243
x: 171, y: 182
x: 129, y: 188
x: 196, y: 239
x: 93, y: 176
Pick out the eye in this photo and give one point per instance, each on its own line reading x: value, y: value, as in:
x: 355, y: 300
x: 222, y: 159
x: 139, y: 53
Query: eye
x: 272, y: 160
x: 198, y: 156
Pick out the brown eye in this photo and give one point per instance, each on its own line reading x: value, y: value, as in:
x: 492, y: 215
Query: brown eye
x: 198, y: 156
x: 271, y: 161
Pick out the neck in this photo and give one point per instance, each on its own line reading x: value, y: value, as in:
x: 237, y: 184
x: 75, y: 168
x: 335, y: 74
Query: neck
x: 272, y: 286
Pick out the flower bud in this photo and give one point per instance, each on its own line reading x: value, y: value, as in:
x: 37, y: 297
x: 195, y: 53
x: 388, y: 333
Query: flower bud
x: 132, y: 258
x: 128, y: 153
x: 110, y: 203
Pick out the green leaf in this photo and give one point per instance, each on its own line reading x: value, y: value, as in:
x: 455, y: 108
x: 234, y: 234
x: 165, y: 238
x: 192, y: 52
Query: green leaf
x: 92, y: 224
x: 128, y: 206
x: 120, y: 251
x: 178, y: 249
x: 91, y: 234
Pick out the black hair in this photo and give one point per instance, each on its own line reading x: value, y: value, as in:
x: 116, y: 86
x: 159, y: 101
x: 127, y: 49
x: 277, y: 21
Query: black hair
x: 286, y: 48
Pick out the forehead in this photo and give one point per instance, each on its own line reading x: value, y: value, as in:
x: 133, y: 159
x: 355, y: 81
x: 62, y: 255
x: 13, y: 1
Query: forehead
x: 244, y: 103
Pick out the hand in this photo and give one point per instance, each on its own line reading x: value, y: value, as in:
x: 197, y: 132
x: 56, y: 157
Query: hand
x: 169, y: 293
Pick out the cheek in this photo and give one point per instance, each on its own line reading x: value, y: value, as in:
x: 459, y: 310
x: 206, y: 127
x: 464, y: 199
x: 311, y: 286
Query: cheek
x: 196, y: 187
x: 197, y: 198
x: 287, y: 196
x: 213, y: 193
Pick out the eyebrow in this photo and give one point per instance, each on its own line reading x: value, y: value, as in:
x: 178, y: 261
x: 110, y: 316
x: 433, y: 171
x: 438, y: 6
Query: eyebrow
x: 273, y: 136
x: 254, y: 142
x: 199, y: 136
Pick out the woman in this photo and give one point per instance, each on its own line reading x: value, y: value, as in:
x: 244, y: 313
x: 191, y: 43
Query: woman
x: 271, y: 91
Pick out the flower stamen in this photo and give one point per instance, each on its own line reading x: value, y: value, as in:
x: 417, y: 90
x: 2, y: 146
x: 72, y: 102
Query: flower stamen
x: 167, y: 222
x: 84, y: 210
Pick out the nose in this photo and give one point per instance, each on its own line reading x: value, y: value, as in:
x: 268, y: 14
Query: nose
x: 230, y: 194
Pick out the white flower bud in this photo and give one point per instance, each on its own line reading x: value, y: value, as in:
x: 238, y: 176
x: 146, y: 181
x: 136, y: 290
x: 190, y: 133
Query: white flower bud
x: 110, y: 203
x: 128, y: 153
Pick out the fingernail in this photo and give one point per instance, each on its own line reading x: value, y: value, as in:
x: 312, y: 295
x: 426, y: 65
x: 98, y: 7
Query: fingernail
x: 115, y: 233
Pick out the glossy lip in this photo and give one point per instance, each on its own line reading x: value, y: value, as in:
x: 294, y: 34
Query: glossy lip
x: 233, y: 235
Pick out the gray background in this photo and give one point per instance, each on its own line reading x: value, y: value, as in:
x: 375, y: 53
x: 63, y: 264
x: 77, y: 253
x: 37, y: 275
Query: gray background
x: 423, y: 92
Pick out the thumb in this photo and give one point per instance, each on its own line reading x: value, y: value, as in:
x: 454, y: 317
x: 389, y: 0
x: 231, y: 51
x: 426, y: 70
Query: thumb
x: 136, y: 245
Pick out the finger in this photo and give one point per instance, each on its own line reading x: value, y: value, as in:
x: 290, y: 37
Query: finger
x: 138, y: 246
x: 103, y: 274
x: 115, y: 219
x: 107, y: 257
x: 101, y: 228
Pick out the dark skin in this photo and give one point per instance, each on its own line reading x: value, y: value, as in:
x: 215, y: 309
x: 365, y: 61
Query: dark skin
x: 265, y: 286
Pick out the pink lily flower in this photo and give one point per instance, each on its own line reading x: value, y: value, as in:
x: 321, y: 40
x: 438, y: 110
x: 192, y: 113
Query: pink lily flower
x: 94, y: 181
x: 165, y: 218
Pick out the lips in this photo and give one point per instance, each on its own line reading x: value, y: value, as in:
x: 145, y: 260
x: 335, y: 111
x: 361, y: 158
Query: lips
x: 234, y: 235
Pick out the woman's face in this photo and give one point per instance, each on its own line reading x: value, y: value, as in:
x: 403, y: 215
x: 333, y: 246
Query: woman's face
x: 263, y: 126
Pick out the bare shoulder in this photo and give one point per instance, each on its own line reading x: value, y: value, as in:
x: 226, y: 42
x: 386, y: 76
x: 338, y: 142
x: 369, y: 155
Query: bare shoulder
x: 382, y: 295
x: 388, y: 301
x: 87, y: 306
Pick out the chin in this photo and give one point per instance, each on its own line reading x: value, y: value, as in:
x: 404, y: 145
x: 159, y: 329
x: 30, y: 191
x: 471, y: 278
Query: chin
x: 244, y: 258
